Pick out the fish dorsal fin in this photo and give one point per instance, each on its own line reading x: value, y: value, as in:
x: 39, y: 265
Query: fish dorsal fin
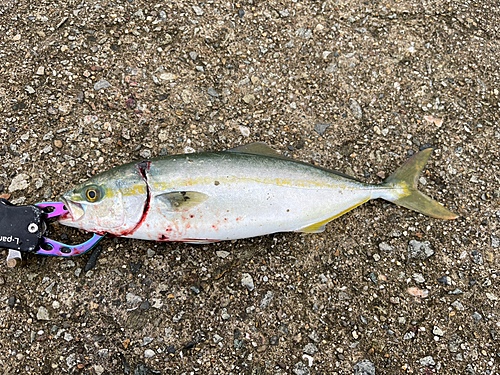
x: 258, y: 148
x: 180, y: 200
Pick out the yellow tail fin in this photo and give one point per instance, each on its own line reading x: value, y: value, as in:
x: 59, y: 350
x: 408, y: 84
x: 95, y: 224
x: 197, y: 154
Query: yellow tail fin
x: 406, y: 178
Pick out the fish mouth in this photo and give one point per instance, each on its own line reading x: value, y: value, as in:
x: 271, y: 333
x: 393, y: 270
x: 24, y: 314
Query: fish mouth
x: 75, y: 211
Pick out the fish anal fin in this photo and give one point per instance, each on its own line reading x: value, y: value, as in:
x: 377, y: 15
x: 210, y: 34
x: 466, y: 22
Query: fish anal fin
x: 181, y: 200
x: 320, y: 226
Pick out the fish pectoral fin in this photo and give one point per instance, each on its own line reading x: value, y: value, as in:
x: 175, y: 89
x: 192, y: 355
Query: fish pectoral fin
x: 320, y: 226
x: 181, y: 200
x: 258, y: 148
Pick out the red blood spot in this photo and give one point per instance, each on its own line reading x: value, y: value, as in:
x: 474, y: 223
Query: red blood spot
x: 191, y: 216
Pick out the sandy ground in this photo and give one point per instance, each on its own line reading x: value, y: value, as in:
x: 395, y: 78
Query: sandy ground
x: 353, y: 86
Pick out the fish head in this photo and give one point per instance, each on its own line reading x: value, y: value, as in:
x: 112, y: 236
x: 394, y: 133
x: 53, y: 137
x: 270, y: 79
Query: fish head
x: 112, y: 202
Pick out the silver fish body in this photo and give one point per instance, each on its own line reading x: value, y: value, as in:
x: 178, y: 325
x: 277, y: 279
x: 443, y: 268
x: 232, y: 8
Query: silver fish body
x: 214, y: 196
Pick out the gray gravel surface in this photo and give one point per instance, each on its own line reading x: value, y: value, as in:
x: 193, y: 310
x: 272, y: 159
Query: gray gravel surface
x: 353, y: 86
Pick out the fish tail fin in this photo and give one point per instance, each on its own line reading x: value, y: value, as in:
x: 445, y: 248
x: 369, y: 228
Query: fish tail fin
x: 405, y: 179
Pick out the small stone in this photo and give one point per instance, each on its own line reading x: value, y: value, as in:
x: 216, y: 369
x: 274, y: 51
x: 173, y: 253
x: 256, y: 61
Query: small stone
x: 151, y: 253
x: 40, y: 71
x: 167, y: 76
x: 222, y: 254
x: 409, y: 335
x: 355, y: 109
x: 20, y: 182
x: 247, y: 281
x: 310, y: 349
x: 102, y: 84
x: 133, y: 299
x: 42, y: 314
x: 314, y: 336
x: 193, y: 55
x: 71, y: 360
x: 476, y: 316
x: 301, y: 369
x: 458, y: 305
x: 491, y: 296
x: 304, y: 33
x: 331, y: 69
x: 99, y: 370
x: 419, y: 278
x: 477, y: 257
x: 437, y: 331
x: 376, y: 257
x: 148, y: 353
x: 12, y: 301
x: 16, y: 38
x: 364, y: 367
x: 385, y: 247
x: 140, y: 14
x: 249, y: 98
x: 420, y: 250
x: 266, y: 301
x: 343, y: 296
x: 29, y: 89
x: 145, y: 154
x: 145, y: 306
x: 446, y: 280
x: 245, y: 131
x: 58, y: 143
x: 146, y: 341
x: 427, y: 361
x: 495, y: 242
x: 211, y: 91
x: 320, y: 128
x: 217, y: 338
x: 197, y: 10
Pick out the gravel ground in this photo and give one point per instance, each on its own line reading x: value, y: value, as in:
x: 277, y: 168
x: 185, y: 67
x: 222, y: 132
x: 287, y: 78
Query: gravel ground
x: 353, y: 86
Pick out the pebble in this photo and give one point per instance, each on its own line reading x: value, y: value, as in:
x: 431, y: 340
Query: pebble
x: 217, y: 338
x: 102, y: 84
x: 20, y: 182
x: 150, y: 253
x: 58, y: 143
x: 211, y: 91
x: 355, y: 109
x: 419, y: 278
x: 495, y: 242
x: 437, y: 331
x: 146, y: 341
x: 320, y: 128
x: 193, y: 55
x: 245, y: 131
x: 43, y: 313
x: 427, y: 361
x: 249, y: 98
x: 266, y: 301
x: 364, y: 367
x: 458, y: 305
x: 247, y: 281
x: 148, y: 353
x: 310, y: 349
x: 314, y: 336
x: 197, y: 10
x: 40, y: 71
x: 29, y: 89
x: 446, y: 280
x: 133, y: 299
x: 420, y: 250
x: 385, y: 247
x: 477, y: 257
x: 222, y: 254
x: 409, y: 335
x: 476, y: 316
x: 300, y: 369
x: 332, y: 68
x: 167, y: 76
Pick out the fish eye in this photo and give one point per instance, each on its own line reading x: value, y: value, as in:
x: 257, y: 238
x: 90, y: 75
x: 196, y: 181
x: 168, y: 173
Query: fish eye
x: 93, y: 194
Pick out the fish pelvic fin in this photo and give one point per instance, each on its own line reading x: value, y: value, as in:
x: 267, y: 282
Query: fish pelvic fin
x: 405, y: 179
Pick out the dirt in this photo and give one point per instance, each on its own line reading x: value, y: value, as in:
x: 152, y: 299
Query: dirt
x: 353, y: 86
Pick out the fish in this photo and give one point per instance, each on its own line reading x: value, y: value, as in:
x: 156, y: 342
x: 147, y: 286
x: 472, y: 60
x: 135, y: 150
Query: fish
x: 247, y: 191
